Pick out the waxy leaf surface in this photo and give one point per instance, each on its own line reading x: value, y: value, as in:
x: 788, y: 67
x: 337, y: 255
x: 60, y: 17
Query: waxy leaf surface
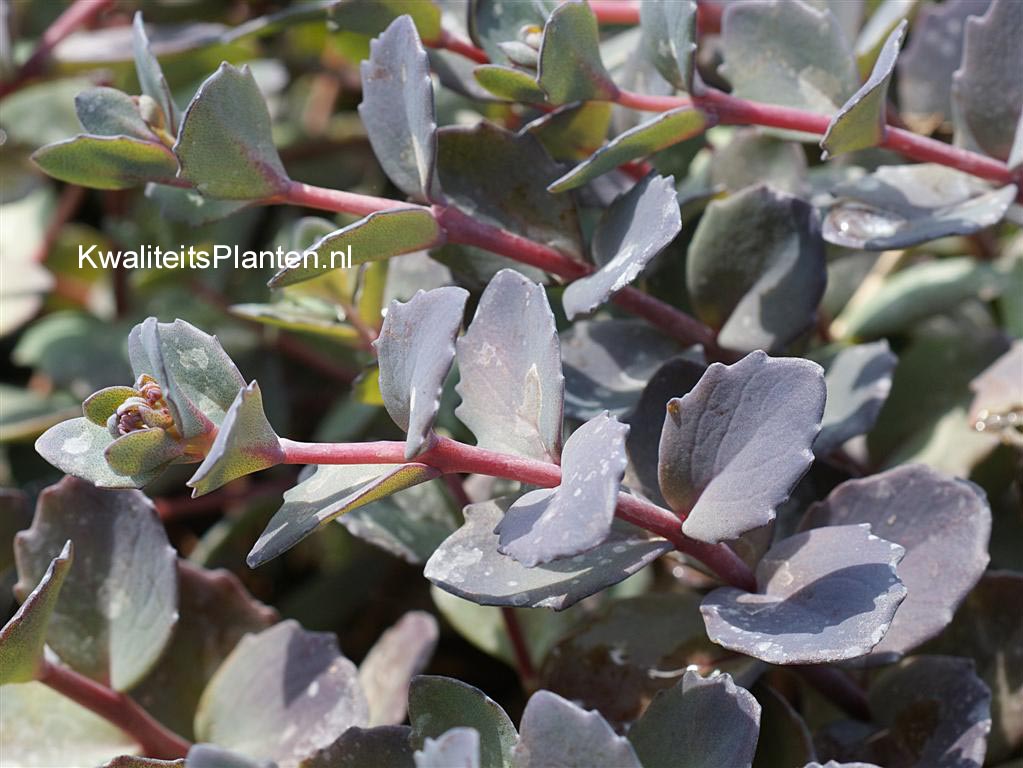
x: 669, y: 27
x: 858, y: 380
x: 401, y: 653
x: 570, y: 68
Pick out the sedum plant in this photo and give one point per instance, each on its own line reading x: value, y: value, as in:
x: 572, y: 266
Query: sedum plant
x: 678, y: 353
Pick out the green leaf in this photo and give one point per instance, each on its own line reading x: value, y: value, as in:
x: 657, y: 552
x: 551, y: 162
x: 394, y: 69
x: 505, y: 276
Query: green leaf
x: 916, y: 293
x: 23, y: 637
x: 492, y: 22
x: 379, y: 236
x: 245, y: 443
x: 110, y: 112
x: 302, y: 316
x: 501, y: 178
x: 225, y: 146
x: 669, y: 31
x: 416, y: 347
x: 663, y: 131
x: 281, y: 695
x: 150, y: 74
x: 189, y: 207
x: 570, y: 67
x: 101, y: 405
x: 397, y: 108
x: 115, y: 615
x: 437, y: 704
x: 386, y: 745
x: 107, y: 162
x: 860, y: 123
x: 574, y: 131
x: 401, y: 653
x: 371, y: 17
x: 987, y: 89
x: 636, y: 227
x: 78, y: 446
x: 329, y: 492
x: 756, y: 268
x: 142, y: 451
x: 788, y: 53
x: 509, y: 84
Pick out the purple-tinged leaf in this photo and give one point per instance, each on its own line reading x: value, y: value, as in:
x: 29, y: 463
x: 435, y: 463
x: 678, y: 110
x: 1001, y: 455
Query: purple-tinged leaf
x: 934, y: 712
x: 107, y: 162
x: 23, y: 637
x: 401, y: 653
x: 438, y: 704
x: 397, y: 108
x: 998, y: 394
x: 858, y: 380
x: 607, y: 364
x: 823, y: 595
x: 570, y: 67
x: 987, y: 629
x: 669, y: 31
x: 860, y: 123
x: 225, y: 147
x: 386, y: 745
x: 215, y: 613
x: 550, y: 524
x: 986, y: 89
x: 898, y: 206
x: 833, y: 764
x: 281, y: 695
x: 943, y: 524
x: 637, y: 226
x: 416, y: 347
x: 469, y: 565
x: 210, y: 756
x: 756, y: 268
x: 734, y: 448
x: 665, y: 130
x: 509, y: 364
x: 785, y: 738
x: 456, y: 748
x: 116, y: 613
x: 150, y: 74
x: 245, y: 443
x: 327, y: 493
x: 710, y: 720
x: 554, y: 731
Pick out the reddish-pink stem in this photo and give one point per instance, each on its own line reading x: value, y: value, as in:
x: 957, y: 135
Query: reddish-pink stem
x: 451, y: 456
x: 520, y: 649
x: 336, y: 200
x: 117, y: 708
x: 615, y: 11
x: 455, y: 44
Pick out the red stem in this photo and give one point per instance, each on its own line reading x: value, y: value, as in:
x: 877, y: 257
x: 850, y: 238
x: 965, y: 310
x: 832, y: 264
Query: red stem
x: 451, y: 456
x: 455, y: 44
x: 118, y: 708
x: 615, y: 11
x: 520, y: 650
x: 76, y: 15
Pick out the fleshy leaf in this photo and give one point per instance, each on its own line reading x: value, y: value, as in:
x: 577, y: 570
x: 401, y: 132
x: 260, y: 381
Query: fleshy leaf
x: 788, y: 53
x: 734, y: 448
x: 998, y: 391
x: 438, y: 704
x: 987, y: 89
x: 327, y: 493
x: 397, y: 108
x: 371, y: 17
x: 107, y: 162
x: 116, y: 613
x: 416, y: 347
x: 669, y: 29
x: 456, y: 747
x: 282, y: 695
x: 904, y: 205
x: 933, y: 710
x: 943, y: 524
x: 659, y: 133
x: 401, y: 653
x: 570, y: 67
x: 101, y: 405
x: 557, y: 732
x: 824, y: 595
x: 377, y: 237
x: 860, y: 123
x: 573, y: 131
x: 637, y: 226
x: 23, y: 637
x: 142, y: 452
x: 858, y: 380
x: 756, y: 268
x: 492, y: 22
x: 509, y: 84
x: 608, y: 362
x: 210, y: 756
x: 468, y: 564
x: 386, y: 745
x: 77, y: 446
x: 545, y: 524
x: 245, y: 443
x: 226, y: 147
x: 110, y: 112
x: 509, y: 363
x: 150, y: 74
x: 710, y: 720
x: 215, y: 613
x: 501, y: 178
